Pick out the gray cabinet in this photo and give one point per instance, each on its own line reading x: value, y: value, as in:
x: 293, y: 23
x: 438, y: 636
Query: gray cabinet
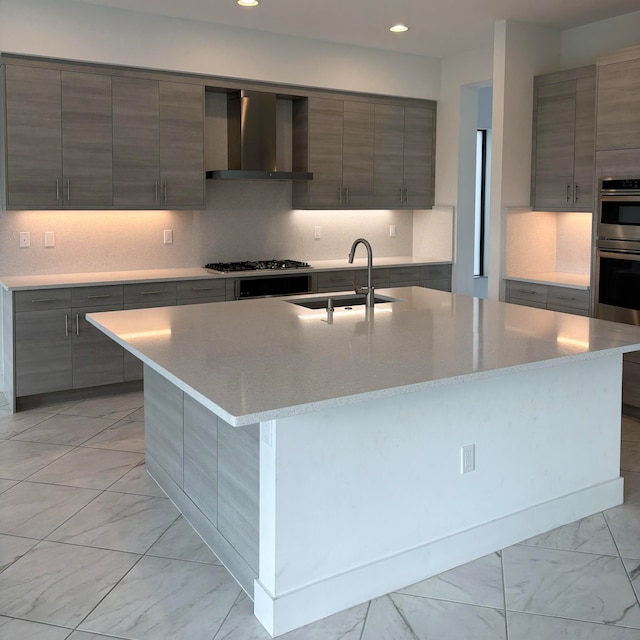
x: 404, y: 166
x: 333, y: 139
x: 562, y: 169
x: 552, y: 297
x: 436, y: 276
x: 618, y: 117
x: 58, y: 139
x: 158, y: 149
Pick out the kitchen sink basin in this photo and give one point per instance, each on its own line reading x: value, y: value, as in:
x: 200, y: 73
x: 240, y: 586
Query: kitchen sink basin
x: 338, y: 301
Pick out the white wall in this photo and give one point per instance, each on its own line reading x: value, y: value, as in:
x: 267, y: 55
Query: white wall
x: 582, y: 45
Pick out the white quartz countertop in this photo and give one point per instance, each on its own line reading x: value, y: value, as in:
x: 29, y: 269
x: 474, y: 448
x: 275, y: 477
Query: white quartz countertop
x: 17, y: 283
x: 558, y: 278
x: 262, y: 359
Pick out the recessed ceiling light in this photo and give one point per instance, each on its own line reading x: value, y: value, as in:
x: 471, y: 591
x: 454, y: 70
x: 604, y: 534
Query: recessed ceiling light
x: 399, y: 28
x: 248, y: 3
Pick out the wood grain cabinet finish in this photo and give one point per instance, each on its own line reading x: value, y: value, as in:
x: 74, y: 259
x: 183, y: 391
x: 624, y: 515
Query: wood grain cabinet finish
x: 563, y: 140
x: 551, y: 297
x: 340, y: 154
x: 618, y: 118
x: 33, y: 147
x: 436, y: 276
x: 86, y: 141
x: 404, y: 166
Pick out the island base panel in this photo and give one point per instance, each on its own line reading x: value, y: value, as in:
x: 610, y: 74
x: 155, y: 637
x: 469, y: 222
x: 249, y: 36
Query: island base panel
x: 364, y: 499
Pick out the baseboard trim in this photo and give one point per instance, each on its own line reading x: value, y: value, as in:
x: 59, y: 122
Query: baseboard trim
x: 285, y: 612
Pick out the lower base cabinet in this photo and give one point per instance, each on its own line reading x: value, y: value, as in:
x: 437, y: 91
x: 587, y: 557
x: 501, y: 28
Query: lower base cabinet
x: 551, y: 297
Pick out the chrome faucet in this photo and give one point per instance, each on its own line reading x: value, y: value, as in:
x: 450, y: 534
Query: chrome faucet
x: 368, y: 290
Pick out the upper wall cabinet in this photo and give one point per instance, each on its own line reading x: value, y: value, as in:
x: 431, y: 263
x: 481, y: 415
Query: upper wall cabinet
x: 333, y: 139
x: 618, y: 120
x: 158, y: 144
x: 563, y: 140
x: 58, y: 139
x: 363, y: 155
x: 94, y: 140
x: 404, y: 165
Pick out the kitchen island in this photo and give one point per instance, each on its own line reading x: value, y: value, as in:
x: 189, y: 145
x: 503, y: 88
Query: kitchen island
x: 320, y: 455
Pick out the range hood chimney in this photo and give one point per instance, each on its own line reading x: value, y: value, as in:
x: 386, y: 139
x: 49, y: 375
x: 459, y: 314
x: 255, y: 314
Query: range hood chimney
x: 251, y: 135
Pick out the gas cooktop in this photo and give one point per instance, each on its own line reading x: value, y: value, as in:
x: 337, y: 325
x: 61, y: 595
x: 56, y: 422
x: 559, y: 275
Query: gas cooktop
x: 257, y: 265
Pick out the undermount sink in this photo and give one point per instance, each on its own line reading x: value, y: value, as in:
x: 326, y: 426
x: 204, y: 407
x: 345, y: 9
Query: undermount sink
x: 338, y: 301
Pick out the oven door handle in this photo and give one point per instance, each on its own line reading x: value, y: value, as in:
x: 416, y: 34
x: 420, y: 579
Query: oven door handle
x: 628, y: 254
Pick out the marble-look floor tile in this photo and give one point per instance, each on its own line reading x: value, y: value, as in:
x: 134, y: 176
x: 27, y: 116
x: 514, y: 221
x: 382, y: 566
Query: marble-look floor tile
x: 7, y: 484
x: 88, y: 468
x: 168, y: 599
x: 630, y: 429
x: 13, y: 629
x: 427, y: 618
x: 477, y: 582
x: 34, y: 510
x: 18, y: 460
x: 69, y: 430
x: 14, y: 423
x: 633, y: 569
x: 590, y: 535
x: 630, y: 457
x: 137, y: 415
x: 181, y: 542
x: 83, y: 635
x: 138, y: 481
x: 631, y: 490
x: 12, y: 548
x: 125, y: 435
x: 524, y: 626
x: 60, y: 583
x: 571, y: 584
x: 118, y: 521
x: 241, y: 624
x: 116, y: 407
x: 625, y: 527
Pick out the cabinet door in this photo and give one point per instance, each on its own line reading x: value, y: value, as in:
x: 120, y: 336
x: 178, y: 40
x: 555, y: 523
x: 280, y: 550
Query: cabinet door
x: 584, y: 154
x: 618, y: 117
x: 325, y: 152
x: 181, y: 145
x: 554, y: 145
x: 357, y: 155
x: 388, y: 190
x: 43, y: 351
x: 34, y: 138
x: 96, y: 358
x: 86, y: 140
x: 418, y: 166
x: 136, y: 143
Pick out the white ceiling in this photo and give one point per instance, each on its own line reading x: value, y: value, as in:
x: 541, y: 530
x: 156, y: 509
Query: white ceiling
x: 437, y: 27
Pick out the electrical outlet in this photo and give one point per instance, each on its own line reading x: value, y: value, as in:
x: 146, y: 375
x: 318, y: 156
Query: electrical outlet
x: 25, y: 239
x: 392, y: 230
x: 168, y: 236
x: 468, y: 458
x: 317, y: 233
x: 49, y: 239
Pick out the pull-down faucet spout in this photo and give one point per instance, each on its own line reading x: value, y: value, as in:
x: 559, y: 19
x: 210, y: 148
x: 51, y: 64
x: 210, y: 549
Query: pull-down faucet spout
x: 368, y: 290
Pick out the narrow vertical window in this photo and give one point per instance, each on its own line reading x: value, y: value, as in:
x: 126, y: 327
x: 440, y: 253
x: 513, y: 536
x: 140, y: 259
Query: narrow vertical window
x: 479, y: 268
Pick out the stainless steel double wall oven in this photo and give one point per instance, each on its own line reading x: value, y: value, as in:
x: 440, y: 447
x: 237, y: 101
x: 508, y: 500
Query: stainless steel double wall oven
x: 617, y: 275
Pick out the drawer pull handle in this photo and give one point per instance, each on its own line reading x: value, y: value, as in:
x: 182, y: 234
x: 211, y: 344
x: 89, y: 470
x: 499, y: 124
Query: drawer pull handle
x: 44, y: 299
x: 150, y: 293
x: 529, y: 291
x: 77, y: 325
x: 66, y: 325
x: 202, y: 289
x: 102, y: 295
x: 565, y: 297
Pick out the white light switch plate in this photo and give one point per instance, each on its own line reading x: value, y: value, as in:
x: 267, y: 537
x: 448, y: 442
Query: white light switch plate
x: 49, y: 239
x: 168, y: 236
x: 25, y: 239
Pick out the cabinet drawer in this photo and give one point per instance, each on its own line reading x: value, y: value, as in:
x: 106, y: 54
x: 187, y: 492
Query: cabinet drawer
x: 567, y: 297
x: 40, y: 299
x: 339, y: 280
x: 193, y: 289
x: 140, y: 294
x: 404, y: 274
x: 97, y: 296
x: 435, y: 272
x: 527, y: 291
x: 441, y: 284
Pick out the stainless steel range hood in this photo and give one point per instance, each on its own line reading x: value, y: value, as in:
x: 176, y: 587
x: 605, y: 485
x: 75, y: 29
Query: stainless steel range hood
x: 251, y: 134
